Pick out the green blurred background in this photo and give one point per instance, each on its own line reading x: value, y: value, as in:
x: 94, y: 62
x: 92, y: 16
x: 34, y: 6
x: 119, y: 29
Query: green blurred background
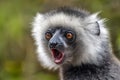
x: 18, y: 59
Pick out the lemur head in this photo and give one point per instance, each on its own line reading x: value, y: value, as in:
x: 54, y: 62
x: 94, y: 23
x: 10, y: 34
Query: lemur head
x: 69, y: 36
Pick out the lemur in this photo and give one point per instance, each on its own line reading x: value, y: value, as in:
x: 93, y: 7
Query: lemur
x: 77, y: 43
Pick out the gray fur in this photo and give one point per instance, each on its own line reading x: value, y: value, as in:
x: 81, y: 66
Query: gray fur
x: 90, y: 58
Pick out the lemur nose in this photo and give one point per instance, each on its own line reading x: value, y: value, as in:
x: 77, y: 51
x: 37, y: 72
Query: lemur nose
x: 52, y: 45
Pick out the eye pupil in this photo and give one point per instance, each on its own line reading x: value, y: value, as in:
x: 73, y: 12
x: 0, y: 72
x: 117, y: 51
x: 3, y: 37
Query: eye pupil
x: 69, y: 35
x: 48, y: 35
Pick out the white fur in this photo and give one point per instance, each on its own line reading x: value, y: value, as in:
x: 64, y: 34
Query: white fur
x: 41, y: 23
x: 93, y: 43
x: 38, y: 27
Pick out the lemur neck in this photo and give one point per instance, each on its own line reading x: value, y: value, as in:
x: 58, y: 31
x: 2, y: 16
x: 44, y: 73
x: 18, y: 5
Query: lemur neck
x: 85, y: 71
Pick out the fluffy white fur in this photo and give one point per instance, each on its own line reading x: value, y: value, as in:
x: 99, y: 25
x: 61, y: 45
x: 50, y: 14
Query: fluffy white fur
x: 41, y: 23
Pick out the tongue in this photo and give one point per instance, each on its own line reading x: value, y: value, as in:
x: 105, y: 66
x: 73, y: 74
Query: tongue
x: 58, y: 59
x: 58, y: 56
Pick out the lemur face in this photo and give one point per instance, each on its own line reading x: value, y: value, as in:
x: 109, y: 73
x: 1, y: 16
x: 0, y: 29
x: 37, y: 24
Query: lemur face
x: 61, y: 44
x: 69, y: 36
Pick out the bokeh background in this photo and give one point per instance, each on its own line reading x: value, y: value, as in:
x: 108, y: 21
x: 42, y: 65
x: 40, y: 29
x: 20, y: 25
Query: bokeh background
x: 18, y: 59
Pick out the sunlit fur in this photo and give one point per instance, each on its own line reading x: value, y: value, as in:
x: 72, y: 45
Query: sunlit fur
x: 92, y: 52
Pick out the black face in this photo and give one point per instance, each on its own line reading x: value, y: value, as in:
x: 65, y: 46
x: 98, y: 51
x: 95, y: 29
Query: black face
x: 60, y: 41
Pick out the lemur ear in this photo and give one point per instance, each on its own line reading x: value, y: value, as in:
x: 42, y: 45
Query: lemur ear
x: 93, y: 24
x: 39, y: 17
x: 93, y: 28
x: 38, y: 20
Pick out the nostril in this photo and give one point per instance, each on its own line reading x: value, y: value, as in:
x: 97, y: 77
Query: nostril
x: 52, y: 45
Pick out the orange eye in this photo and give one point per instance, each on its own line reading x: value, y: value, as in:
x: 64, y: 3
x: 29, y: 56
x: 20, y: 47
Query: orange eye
x: 48, y: 35
x: 69, y: 35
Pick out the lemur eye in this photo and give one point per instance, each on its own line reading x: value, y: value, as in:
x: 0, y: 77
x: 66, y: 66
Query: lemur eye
x: 69, y: 35
x: 48, y: 35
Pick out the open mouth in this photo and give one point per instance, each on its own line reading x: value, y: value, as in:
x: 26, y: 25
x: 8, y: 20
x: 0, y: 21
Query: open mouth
x: 57, y: 55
